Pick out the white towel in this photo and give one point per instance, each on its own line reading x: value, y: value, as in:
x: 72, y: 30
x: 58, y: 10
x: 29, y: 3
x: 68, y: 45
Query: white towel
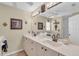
x: 2, y: 39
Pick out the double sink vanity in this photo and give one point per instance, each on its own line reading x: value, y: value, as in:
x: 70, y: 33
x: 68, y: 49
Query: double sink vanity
x: 44, y: 46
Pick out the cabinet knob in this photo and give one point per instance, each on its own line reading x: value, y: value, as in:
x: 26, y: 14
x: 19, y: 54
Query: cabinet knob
x: 26, y: 38
x: 42, y: 48
x: 45, y: 49
x: 32, y: 42
x: 31, y: 48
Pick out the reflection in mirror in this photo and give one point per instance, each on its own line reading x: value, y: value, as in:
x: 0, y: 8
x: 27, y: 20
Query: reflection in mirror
x: 56, y: 25
x: 40, y: 26
x: 48, y: 25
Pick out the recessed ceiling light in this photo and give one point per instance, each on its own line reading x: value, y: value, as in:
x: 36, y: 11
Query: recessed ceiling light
x: 73, y: 4
x: 30, y: 3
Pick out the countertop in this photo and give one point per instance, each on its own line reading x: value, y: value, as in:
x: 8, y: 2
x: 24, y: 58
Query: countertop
x: 67, y: 50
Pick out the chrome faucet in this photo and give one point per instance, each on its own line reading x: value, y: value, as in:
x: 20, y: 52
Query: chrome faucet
x: 55, y: 37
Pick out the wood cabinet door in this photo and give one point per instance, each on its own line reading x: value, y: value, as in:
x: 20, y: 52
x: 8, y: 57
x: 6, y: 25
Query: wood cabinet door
x: 26, y: 45
x: 40, y: 49
x: 32, y: 50
x: 45, y: 51
x: 29, y: 46
x: 49, y: 52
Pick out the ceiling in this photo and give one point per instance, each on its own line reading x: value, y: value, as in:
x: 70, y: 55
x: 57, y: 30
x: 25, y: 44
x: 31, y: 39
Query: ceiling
x: 63, y: 9
x: 27, y: 6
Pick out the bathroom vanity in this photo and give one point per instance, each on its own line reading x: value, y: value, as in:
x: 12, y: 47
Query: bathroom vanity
x: 35, y: 46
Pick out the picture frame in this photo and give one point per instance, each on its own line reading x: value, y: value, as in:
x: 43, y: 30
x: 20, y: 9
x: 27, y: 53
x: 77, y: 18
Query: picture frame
x: 16, y: 23
x: 40, y: 26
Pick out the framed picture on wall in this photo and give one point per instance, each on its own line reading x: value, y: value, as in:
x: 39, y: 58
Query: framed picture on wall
x: 16, y: 23
x: 40, y: 26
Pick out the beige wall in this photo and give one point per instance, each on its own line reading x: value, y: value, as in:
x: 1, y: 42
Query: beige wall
x: 13, y: 36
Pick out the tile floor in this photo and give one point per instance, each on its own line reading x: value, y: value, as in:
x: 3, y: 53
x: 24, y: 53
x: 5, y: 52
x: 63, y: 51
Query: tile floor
x: 21, y: 53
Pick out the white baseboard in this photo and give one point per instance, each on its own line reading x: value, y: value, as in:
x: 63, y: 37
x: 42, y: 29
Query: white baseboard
x: 14, y: 52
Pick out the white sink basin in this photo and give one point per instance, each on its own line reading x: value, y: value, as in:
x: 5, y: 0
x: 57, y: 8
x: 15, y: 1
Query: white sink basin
x: 56, y: 44
x: 48, y: 40
x: 43, y: 38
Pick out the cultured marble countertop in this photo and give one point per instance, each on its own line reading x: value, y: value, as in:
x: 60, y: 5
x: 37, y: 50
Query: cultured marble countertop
x: 67, y: 50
